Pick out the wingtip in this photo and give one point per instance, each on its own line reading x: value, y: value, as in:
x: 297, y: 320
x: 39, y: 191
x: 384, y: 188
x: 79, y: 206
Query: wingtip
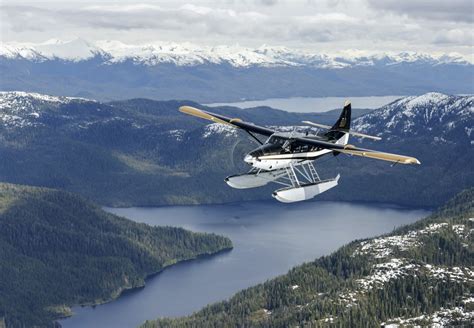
x: 183, y: 108
x: 414, y: 161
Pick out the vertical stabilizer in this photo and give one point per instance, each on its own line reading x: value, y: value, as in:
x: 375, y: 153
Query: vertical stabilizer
x: 344, y: 121
x: 342, y: 125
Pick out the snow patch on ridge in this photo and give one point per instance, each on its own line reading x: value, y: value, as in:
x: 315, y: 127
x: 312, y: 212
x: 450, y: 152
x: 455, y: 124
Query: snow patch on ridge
x: 20, y: 109
x: 384, y: 246
x: 217, y: 128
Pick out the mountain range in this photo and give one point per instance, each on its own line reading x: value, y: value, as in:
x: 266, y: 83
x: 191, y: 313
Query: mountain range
x: 109, y: 70
x: 142, y: 152
x: 188, y: 54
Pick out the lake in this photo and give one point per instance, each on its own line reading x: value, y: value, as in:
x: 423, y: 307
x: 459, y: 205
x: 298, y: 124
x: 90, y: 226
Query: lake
x: 269, y: 238
x: 314, y: 104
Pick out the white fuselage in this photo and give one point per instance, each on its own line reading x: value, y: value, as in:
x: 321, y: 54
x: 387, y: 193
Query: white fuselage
x: 275, y: 162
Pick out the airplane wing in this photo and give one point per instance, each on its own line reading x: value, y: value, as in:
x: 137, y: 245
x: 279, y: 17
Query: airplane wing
x: 346, y: 149
x: 234, y: 122
x: 352, y: 150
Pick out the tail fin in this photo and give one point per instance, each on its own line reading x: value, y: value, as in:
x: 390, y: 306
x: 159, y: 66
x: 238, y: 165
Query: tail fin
x: 344, y: 121
x: 342, y: 125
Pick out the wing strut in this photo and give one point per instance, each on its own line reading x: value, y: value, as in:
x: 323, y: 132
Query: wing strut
x: 253, y: 136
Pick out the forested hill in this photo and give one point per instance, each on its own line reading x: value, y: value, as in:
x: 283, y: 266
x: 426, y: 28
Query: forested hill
x: 417, y: 275
x: 145, y: 153
x: 58, y: 250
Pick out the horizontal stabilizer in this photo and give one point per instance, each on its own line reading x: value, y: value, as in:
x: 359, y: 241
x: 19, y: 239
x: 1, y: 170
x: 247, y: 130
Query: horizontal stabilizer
x: 363, y: 135
x: 353, y: 133
x: 322, y: 126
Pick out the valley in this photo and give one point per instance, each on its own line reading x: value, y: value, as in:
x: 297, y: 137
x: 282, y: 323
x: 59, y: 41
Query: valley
x: 419, y: 274
x: 269, y: 238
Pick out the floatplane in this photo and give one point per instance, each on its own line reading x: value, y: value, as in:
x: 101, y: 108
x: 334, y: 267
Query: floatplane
x: 287, y: 158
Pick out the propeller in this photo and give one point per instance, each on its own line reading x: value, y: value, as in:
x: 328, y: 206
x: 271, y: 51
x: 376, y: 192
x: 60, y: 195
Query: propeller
x: 239, y: 149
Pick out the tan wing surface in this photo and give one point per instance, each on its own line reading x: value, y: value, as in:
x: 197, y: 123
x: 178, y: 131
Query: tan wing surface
x: 234, y: 122
x: 401, y: 159
x: 352, y: 150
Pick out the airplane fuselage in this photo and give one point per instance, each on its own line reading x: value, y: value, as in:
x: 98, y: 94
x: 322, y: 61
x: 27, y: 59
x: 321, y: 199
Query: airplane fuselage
x: 277, y: 153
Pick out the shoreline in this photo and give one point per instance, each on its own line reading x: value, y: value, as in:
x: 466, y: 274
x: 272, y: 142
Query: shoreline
x: 238, y: 202
x: 125, y: 290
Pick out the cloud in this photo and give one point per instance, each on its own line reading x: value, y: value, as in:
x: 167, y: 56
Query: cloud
x: 450, y: 10
x: 268, y: 2
x: 324, y: 25
x: 454, y: 36
x: 198, y: 19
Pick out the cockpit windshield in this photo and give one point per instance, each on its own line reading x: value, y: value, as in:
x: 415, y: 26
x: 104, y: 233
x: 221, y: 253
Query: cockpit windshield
x: 276, y: 140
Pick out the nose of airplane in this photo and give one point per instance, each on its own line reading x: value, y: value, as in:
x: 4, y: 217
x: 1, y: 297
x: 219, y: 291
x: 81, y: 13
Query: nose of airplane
x: 248, y: 159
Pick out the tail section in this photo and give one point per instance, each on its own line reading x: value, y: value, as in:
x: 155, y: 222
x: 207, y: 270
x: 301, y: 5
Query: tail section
x: 339, y: 131
x: 344, y: 121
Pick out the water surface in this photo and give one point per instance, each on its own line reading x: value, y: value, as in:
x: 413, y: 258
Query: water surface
x: 314, y: 104
x: 269, y: 238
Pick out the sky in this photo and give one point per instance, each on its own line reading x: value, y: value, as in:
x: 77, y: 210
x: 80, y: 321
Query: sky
x: 325, y: 26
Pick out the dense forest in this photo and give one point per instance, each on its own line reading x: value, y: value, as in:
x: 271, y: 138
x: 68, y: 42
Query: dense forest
x: 417, y: 275
x: 58, y: 250
x: 145, y: 153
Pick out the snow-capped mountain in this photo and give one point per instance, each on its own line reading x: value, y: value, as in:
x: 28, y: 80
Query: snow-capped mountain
x: 187, y: 54
x: 439, y: 116
x: 434, y: 115
x: 21, y: 109
x: 112, y: 70
x: 74, y: 50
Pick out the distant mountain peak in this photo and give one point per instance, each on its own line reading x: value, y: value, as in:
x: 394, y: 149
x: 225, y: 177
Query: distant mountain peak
x: 435, y: 114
